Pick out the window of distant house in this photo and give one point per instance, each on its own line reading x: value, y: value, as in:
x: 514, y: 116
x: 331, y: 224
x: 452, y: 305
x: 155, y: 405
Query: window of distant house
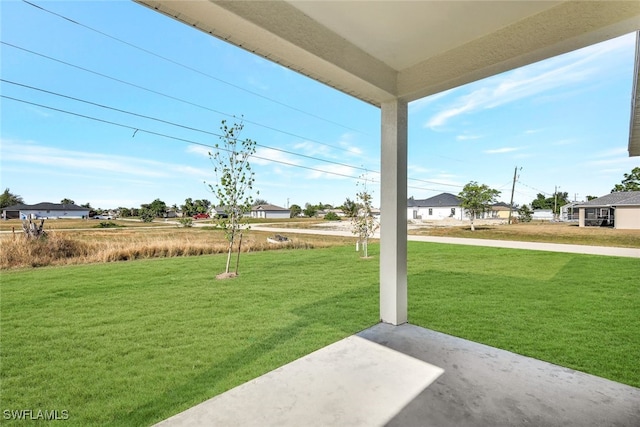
x: 453, y: 211
x: 430, y: 211
x: 604, y: 213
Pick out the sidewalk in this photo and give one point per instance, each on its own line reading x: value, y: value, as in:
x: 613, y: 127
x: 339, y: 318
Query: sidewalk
x: 532, y: 246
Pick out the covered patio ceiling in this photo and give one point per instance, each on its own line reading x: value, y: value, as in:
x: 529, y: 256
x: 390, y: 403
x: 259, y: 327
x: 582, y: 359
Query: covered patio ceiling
x: 383, y: 50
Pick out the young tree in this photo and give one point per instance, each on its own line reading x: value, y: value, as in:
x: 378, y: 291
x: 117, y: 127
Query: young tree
x: 158, y: 208
x: 202, y: 205
x: 146, y: 214
x: 477, y: 199
x: 363, y: 224
x: 295, y: 210
x: 7, y: 198
x: 350, y: 208
x: 188, y: 209
x: 235, y: 180
x: 310, y: 210
x: 631, y: 182
x: 524, y: 214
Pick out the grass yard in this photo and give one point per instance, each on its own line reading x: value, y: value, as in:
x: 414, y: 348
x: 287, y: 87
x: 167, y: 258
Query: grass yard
x: 131, y: 343
x: 578, y: 311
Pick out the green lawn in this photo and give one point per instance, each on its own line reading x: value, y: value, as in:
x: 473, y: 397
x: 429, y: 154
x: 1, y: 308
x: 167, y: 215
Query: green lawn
x: 132, y: 343
x: 578, y: 311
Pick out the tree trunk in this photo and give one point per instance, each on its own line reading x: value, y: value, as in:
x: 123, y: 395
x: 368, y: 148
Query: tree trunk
x: 239, y: 250
x: 33, y: 231
x: 226, y: 270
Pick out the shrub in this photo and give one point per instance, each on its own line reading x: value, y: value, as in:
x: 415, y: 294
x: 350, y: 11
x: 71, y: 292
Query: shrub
x: 53, y: 248
x: 186, y: 221
x: 105, y: 224
x: 146, y: 215
x: 332, y: 216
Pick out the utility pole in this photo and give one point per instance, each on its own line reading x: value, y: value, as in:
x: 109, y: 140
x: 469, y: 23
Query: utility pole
x: 513, y: 187
x: 555, y: 204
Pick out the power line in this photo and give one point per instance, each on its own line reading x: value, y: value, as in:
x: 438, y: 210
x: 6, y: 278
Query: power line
x: 195, y: 70
x: 175, y: 124
x: 211, y: 133
x: 189, y: 141
x: 150, y: 132
x: 167, y: 96
x: 533, y: 188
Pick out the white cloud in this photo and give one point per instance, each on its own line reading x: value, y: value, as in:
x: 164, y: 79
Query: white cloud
x: 565, y: 142
x: 613, y: 152
x: 35, y: 154
x: 421, y: 103
x: 562, y: 71
x: 269, y: 156
x: 467, y: 137
x: 418, y: 169
x: 199, y: 149
x: 502, y: 150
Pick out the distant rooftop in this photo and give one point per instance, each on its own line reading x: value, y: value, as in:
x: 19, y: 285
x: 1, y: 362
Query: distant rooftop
x: 441, y: 200
x: 621, y: 198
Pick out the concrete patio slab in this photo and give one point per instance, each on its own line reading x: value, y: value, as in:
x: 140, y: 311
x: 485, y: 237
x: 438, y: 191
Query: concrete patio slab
x: 354, y: 382
x: 410, y: 376
x: 486, y: 386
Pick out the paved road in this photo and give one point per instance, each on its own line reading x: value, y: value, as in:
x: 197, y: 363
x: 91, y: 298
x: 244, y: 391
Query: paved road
x: 534, y: 246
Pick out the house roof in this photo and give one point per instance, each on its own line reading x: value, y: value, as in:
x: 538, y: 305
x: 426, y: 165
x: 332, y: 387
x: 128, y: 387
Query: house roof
x: 441, y: 200
x: 268, y: 208
x: 45, y: 206
x: 620, y: 198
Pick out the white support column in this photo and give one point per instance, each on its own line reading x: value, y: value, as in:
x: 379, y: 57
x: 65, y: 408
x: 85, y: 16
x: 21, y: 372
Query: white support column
x: 393, y: 214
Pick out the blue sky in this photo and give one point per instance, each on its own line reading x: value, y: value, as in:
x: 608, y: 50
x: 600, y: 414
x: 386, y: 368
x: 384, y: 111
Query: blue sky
x: 564, y: 121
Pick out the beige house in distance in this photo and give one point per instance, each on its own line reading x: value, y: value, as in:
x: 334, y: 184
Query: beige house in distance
x: 619, y: 210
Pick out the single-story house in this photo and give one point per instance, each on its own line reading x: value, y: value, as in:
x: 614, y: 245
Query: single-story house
x: 500, y: 211
x: 44, y: 210
x: 270, y: 211
x: 618, y: 210
x: 442, y: 206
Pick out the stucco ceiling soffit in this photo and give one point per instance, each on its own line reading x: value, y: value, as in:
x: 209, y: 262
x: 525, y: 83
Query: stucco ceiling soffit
x: 285, y: 35
x: 561, y: 29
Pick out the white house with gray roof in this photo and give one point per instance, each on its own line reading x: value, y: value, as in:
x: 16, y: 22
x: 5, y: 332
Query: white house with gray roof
x: 442, y: 206
x: 269, y: 211
x: 45, y: 210
x: 618, y: 210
